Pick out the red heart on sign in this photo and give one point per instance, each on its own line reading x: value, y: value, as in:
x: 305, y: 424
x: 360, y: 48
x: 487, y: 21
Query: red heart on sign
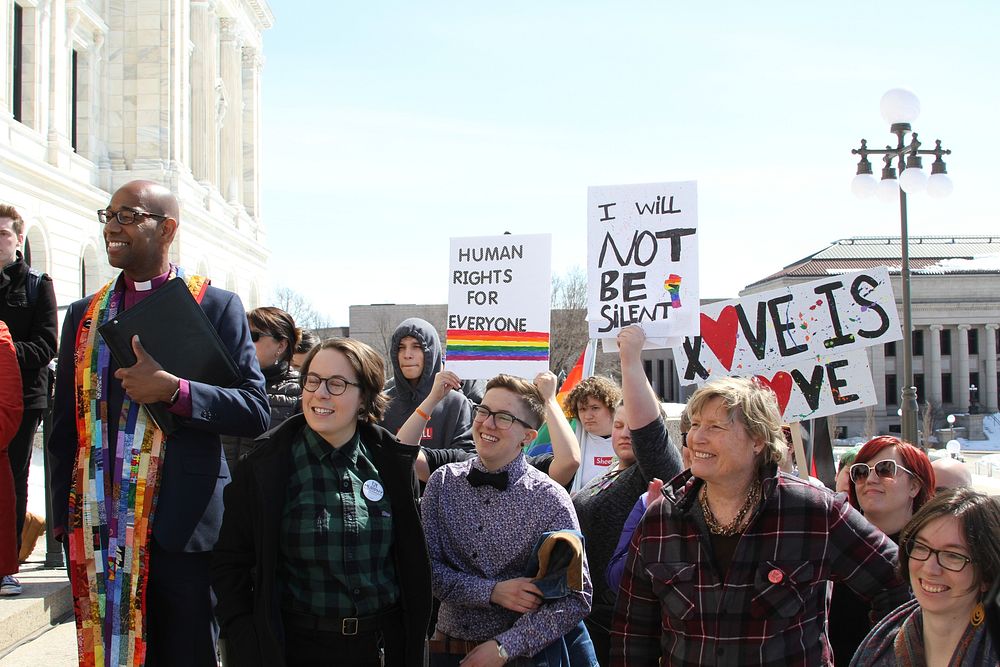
x: 720, y: 335
x: 781, y: 385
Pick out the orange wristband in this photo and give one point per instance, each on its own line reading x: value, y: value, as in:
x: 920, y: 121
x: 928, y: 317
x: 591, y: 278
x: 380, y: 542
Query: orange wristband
x: 423, y: 414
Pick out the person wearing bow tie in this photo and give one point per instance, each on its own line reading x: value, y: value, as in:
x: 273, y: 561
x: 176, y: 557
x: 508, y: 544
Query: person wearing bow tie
x: 482, y: 519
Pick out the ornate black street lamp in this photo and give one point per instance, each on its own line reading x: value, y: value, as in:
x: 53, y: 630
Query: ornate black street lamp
x: 899, y: 109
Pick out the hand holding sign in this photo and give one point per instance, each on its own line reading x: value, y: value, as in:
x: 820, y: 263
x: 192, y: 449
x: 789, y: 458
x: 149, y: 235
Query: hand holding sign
x: 547, y: 384
x: 444, y: 382
x: 630, y: 342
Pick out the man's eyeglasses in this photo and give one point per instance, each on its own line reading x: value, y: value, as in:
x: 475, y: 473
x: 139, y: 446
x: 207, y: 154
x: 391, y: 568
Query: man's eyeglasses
x: 335, y: 384
x: 503, y: 420
x: 886, y: 469
x: 126, y: 216
x: 949, y: 560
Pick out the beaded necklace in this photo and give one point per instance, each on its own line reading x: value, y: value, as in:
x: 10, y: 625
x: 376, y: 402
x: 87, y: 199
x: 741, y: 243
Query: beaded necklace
x: 735, y: 525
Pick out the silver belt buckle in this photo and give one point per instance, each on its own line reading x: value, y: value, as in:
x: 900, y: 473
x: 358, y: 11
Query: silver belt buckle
x: 349, y: 626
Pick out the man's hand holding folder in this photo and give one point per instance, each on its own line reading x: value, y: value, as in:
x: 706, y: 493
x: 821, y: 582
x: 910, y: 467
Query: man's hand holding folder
x: 146, y: 381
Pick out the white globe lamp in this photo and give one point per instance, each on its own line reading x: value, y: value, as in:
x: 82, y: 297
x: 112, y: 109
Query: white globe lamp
x: 899, y: 106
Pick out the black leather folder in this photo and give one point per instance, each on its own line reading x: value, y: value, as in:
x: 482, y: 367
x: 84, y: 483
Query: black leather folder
x: 174, y: 330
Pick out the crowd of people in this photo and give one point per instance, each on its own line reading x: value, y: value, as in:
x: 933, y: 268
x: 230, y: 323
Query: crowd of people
x: 329, y: 508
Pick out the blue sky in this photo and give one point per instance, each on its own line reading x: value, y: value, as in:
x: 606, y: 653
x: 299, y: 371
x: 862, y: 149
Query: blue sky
x: 389, y: 127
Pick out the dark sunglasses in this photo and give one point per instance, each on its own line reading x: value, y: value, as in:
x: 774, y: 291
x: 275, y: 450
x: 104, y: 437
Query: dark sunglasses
x: 886, y: 469
x: 256, y: 335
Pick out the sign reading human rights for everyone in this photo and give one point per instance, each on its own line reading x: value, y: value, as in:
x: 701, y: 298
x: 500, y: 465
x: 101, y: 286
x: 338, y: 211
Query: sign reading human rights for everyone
x: 806, y: 341
x: 642, y: 259
x: 499, y: 298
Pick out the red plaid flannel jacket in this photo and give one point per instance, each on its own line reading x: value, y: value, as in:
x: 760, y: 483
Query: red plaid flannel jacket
x: 771, y: 608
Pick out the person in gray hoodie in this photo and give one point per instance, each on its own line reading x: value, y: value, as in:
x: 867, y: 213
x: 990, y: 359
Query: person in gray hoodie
x: 416, y: 359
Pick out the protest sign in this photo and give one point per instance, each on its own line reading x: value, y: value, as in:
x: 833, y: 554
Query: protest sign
x: 499, y: 297
x: 642, y: 259
x: 822, y: 385
x: 804, y: 341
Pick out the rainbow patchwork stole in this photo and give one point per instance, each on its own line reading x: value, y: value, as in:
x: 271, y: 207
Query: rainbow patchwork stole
x: 109, y: 555
x: 465, y: 345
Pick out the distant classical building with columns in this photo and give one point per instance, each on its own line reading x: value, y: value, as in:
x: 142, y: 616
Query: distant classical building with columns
x: 96, y: 93
x: 955, y: 295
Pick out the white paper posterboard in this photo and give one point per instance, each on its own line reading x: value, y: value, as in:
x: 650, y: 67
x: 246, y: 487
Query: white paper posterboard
x: 642, y: 259
x: 806, y: 341
x: 499, y: 297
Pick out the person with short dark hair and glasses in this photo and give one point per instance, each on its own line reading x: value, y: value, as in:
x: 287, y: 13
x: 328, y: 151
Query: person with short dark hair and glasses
x: 951, y: 558
x: 483, y: 519
x: 321, y: 558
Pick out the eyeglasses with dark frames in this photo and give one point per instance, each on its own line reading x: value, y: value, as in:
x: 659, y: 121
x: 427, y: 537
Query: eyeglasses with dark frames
x: 886, y: 469
x: 503, y: 420
x: 949, y: 560
x: 335, y: 384
x: 126, y: 216
x: 257, y: 335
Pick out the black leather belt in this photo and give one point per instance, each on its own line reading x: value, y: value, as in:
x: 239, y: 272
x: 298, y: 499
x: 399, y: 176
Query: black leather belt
x: 347, y: 626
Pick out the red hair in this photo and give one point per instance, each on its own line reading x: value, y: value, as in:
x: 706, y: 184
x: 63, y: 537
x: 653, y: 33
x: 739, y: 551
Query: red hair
x: 912, y: 458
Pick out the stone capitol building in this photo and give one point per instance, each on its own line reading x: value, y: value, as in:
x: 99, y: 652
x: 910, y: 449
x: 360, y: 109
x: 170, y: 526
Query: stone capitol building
x: 95, y: 93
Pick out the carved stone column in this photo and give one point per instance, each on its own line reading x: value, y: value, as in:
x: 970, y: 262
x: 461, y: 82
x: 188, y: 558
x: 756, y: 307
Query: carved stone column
x: 204, y: 132
x: 989, y: 398
x: 253, y: 62
x: 230, y: 109
x: 962, y: 374
x: 932, y: 378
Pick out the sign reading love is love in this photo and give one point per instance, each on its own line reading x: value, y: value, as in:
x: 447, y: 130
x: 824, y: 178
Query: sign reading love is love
x: 498, y: 305
x: 642, y: 259
x: 806, y: 341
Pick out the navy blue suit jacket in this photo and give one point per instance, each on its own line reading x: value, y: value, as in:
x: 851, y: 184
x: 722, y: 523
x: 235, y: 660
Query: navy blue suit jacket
x: 189, y: 505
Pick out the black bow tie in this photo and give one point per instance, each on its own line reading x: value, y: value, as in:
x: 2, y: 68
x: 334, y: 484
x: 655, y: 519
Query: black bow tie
x: 498, y: 480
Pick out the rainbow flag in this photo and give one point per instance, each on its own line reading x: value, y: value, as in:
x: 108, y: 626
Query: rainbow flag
x: 464, y: 345
x: 583, y: 368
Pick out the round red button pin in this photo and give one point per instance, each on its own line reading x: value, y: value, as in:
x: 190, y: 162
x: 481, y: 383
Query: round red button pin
x: 775, y: 576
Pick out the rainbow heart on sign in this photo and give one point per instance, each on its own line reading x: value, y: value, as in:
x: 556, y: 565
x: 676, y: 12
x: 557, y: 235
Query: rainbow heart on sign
x: 720, y: 335
x: 781, y: 385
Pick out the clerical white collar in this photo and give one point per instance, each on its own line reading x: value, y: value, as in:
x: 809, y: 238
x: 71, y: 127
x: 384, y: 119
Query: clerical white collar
x: 143, y: 286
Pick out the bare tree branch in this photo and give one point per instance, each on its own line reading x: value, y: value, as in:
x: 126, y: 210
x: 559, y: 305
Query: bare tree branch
x: 300, y: 308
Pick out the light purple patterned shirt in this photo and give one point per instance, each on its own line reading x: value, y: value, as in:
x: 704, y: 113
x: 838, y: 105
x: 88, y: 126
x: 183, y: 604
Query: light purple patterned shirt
x: 478, y: 537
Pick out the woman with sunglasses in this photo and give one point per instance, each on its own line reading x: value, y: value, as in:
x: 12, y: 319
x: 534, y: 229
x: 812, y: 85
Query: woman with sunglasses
x: 275, y: 336
x: 321, y: 558
x: 889, y: 480
x: 951, y: 557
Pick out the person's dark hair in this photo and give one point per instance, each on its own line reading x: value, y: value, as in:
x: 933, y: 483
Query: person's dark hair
x: 370, y: 368
x: 530, y: 397
x: 979, y: 518
x: 277, y: 323
x: 17, y: 222
x: 913, y: 459
x: 307, y: 341
x: 603, y: 389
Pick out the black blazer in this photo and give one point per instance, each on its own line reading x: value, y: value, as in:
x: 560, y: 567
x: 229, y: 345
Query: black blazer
x: 246, y: 556
x: 189, y: 505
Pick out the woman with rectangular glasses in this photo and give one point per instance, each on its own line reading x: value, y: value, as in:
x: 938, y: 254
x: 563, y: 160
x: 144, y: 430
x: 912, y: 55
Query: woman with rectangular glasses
x: 889, y: 480
x: 952, y: 558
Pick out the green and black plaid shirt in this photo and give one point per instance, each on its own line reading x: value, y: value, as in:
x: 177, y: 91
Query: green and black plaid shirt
x: 336, y: 532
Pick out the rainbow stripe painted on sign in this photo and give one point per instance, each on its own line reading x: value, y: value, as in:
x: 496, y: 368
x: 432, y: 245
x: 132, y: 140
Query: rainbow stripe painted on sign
x: 673, y: 287
x: 464, y: 345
